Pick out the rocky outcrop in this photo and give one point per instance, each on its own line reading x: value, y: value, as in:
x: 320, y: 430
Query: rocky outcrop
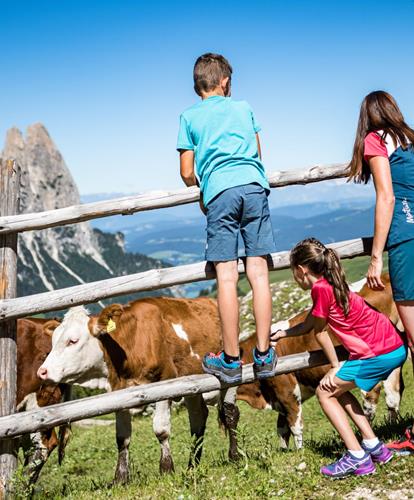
x: 68, y: 255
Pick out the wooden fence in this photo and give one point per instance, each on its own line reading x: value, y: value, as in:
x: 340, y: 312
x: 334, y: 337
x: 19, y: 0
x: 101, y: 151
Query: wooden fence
x: 11, y: 308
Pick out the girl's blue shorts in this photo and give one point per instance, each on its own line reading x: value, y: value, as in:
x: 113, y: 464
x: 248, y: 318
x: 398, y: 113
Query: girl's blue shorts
x: 400, y: 261
x: 366, y: 373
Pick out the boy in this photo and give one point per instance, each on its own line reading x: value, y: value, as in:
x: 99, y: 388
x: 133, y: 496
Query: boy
x: 221, y: 136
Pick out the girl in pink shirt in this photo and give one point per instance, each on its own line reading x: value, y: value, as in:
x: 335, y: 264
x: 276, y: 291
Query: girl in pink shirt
x: 374, y: 345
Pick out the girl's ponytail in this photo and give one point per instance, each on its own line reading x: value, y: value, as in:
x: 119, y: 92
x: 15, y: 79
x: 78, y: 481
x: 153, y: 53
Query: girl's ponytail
x: 323, y: 261
x: 335, y: 276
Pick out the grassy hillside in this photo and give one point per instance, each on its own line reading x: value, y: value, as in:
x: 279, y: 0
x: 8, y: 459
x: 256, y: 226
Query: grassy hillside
x: 355, y: 270
x: 265, y: 471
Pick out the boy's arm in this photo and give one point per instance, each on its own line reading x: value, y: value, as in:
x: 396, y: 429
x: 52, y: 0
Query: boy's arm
x: 187, y: 167
x: 187, y: 173
x: 259, y: 149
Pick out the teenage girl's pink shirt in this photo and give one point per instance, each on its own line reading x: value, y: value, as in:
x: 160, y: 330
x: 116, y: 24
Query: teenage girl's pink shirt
x: 365, y: 332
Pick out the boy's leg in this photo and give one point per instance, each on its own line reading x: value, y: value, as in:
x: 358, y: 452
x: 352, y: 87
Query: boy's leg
x: 258, y: 276
x: 257, y: 233
x: 228, y: 305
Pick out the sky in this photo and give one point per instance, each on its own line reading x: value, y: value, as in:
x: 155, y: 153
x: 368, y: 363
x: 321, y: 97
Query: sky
x: 109, y: 78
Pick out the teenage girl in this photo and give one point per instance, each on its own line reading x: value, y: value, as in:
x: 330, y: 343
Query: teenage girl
x: 374, y: 345
x: 384, y: 149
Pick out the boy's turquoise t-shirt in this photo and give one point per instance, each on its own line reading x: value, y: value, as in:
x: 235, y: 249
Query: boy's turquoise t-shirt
x: 222, y: 133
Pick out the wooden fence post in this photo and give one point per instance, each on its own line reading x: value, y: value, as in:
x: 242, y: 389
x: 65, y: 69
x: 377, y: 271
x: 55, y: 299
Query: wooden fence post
x: 9, y: 205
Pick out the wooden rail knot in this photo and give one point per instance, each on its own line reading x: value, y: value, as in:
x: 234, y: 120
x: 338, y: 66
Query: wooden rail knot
x: 10, y: 165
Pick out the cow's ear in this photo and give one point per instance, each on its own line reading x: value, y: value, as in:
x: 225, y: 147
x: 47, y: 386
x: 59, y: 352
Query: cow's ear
x: 50, y: 326
x: 108, y: 318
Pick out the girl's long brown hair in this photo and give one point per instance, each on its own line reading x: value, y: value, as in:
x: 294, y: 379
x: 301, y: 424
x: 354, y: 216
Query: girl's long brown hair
x: 379, y: 111
x: 323, y: 261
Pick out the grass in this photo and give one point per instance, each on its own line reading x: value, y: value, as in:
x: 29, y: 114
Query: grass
x: 265, y: 471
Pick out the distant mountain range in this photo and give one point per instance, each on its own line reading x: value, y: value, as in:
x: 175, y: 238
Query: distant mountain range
x: 179, y: 238
x: 177, y: 235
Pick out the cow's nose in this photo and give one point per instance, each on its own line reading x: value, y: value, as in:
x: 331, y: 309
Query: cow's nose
x: 42, y: 373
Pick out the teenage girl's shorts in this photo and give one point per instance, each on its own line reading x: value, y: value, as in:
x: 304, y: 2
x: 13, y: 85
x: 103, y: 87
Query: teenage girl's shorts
x: 401, y: 266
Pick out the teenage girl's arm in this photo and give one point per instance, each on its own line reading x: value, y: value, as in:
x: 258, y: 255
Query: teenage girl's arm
x: 187, y: 172
x: 384, y: 207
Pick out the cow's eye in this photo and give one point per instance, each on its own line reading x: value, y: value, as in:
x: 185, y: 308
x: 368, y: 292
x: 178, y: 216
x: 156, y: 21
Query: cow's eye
x: 73, y: 341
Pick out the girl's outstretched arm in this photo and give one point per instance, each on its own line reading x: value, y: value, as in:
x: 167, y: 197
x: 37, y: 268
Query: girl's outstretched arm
x: 384, y: 208
x: 324, y: 340
x: 299, y: 329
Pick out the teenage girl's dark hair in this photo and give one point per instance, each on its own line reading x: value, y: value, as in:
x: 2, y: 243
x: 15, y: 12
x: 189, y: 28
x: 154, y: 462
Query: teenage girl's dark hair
x: 209, y: 71
x: 324, y: 261
x: 379, y: 111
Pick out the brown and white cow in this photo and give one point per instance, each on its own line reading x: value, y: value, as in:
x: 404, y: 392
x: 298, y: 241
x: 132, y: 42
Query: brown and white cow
x: 286, y: 393
x: 33, y: 345
x: 146, y: 341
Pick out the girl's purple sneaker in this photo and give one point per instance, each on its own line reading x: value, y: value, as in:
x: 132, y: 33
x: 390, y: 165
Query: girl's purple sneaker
x: 348, y: 465
x: 380, y: 454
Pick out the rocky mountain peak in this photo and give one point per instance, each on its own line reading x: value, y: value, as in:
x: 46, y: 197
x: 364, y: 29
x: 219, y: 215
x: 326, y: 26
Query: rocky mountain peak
x: 67, y: 255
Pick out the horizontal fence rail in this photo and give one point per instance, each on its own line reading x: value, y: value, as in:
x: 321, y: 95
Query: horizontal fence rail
x: 50, y: 416
x: 147, y: 281
x: 153, y: 200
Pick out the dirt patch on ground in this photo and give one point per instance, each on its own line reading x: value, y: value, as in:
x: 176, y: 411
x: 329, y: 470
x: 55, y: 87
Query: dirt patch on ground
x: 380, y: 494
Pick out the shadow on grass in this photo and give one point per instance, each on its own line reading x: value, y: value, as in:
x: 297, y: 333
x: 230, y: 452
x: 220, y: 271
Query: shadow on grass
x: 332, y: 445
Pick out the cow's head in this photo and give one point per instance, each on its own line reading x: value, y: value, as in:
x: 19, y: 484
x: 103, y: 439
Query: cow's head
x: 76, y: 355
x: 50, y: 326
x: 253, y: 396
x: 107, y: 321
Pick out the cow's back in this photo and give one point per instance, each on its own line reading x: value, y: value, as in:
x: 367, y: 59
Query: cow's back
x: 192, y: 329
x: 158, y: 338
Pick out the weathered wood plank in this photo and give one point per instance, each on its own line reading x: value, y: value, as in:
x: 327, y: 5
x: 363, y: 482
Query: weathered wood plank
x: 9, y: 204
x: 144, y: 282
x: 50, y: 416
x: 151, y: 201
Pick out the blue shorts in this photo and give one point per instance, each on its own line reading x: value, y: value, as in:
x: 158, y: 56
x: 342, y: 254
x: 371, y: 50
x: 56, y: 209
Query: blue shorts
x: 241, y: 209
x: 401, y: 259
x: 366, y: 373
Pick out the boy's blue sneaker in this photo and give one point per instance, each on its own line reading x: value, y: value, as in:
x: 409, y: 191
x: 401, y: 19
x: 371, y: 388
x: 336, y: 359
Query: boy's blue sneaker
x: 226, y: 372
x: 265, y: 367
x: 349, y: 465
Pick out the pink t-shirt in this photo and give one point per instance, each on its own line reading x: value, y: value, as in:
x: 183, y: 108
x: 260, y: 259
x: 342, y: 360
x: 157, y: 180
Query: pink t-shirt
x: 374, y: 146
x: 365, y: 332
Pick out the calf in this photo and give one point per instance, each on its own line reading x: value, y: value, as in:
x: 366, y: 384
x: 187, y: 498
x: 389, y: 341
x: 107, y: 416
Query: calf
x: 33, y: 345
x: 146, y: 341
x: 286, y: 393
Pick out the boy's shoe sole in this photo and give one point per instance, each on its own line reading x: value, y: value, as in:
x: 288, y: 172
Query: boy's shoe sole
x: 262, y: 372
x: 223, y: 376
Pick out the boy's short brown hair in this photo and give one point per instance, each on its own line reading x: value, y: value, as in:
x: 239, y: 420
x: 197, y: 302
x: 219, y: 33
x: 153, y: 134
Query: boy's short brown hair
x: 209, y: 71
